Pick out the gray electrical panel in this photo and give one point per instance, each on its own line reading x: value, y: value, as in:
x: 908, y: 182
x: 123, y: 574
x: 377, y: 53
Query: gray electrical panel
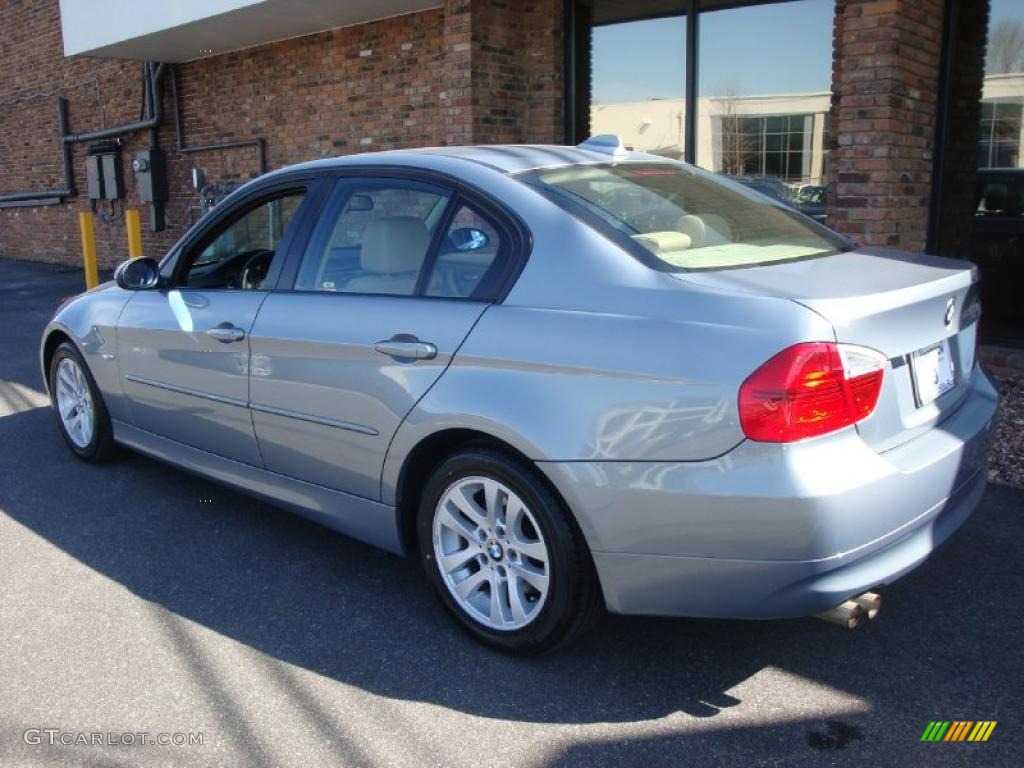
x: 150, y: 168
x: 104, y: 180
x: 113, y: 183
x: 93, y: 177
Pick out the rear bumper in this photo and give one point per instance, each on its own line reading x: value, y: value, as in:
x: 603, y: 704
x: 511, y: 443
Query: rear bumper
x: 771, y: 531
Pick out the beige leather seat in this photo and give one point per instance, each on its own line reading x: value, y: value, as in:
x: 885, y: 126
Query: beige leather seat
x: 704, y: 229
x: 391, y: 256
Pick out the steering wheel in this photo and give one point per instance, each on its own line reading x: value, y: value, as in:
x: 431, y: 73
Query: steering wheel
x: 255, y: 270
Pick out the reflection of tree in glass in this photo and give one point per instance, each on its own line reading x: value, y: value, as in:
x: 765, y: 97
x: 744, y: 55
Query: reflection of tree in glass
x: 739, y: 145
x: 1005, y: 47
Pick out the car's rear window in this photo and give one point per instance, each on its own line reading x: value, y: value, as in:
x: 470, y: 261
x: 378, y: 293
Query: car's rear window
x: 677, y: 217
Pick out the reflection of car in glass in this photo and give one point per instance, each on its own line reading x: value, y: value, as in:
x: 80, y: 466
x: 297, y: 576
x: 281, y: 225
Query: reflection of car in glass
x: 767, y: 185
x: 997, y: 247
x: 563, y: 378
x: 809, y: 199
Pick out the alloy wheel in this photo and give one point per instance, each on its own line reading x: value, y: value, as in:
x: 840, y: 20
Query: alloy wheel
x: 491, y: 553
x: 74, y: 403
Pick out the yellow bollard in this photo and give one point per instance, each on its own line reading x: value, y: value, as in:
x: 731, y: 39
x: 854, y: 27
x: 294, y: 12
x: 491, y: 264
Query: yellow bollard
x: 132, y: 223
x: 92, y: 277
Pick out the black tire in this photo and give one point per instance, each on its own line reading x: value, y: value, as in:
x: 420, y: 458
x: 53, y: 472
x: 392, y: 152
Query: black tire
x: 101, y: 447
x: 573, y: 602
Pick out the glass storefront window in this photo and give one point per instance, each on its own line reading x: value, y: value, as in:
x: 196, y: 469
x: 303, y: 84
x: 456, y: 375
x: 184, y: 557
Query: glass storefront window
x: 771, y: 146
x: 999, y: 145
x: 637, y: 83
x: 763, y: 90
x: 999, y: 192
x: 1002, y: 96
x: 764, y: 96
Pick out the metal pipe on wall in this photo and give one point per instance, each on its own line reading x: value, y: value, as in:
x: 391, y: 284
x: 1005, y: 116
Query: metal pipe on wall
x: 259, y: 142
x: 153, y: 77
x: 48, y: 196
x: 152, y: 122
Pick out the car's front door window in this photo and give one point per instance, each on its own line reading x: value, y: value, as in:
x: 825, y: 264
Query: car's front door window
x: 241, y: 252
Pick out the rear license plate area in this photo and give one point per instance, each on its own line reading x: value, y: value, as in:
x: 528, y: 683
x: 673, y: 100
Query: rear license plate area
x: 933, y: 371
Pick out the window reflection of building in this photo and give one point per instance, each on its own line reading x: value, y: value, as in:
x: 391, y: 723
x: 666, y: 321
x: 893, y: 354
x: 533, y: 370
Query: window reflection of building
x: 767, y: 146
x: 783, y: 135
x: 778, y: 135
x: 1002, y: 113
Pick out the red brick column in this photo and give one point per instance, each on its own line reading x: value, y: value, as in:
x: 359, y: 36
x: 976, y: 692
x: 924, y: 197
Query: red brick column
x: 884, y: 91
x: 544, y: 71
x: 503, y: 65
x: 457, y: 97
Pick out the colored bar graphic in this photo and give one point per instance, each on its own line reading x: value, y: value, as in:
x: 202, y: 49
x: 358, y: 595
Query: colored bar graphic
x: 958, y: 730
x: 984, y: 730
x: 935, y: 730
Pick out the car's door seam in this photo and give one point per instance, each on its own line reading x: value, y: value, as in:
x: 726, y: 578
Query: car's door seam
x: 117, y: 355
x: 248, y: 368
x: 451, y: 359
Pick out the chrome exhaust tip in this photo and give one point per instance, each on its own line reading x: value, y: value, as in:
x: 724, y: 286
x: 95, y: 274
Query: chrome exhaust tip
x: 846, y: 614
x: 870, y: 603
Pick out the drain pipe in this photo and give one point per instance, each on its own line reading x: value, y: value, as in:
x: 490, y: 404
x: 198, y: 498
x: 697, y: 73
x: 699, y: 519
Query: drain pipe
x: 152, y: 122
x: 53, y: 196
x: 259, y: 143
x: 48, y: 196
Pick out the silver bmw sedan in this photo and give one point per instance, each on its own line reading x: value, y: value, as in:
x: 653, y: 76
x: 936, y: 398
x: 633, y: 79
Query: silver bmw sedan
x: 567, y: 379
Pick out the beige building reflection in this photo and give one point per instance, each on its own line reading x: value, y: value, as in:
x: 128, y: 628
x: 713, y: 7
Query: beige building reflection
x: 784, y: 134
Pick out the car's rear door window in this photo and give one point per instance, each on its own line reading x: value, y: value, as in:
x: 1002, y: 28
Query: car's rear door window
x: 406, y: 237
x: 373, y: 236
x: 466, y: 255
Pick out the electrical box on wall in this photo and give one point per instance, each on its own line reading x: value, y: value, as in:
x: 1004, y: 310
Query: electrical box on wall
x: 113, y: 183
x: 93, y: 177
x: 104, y: 180
x: 150, y: 168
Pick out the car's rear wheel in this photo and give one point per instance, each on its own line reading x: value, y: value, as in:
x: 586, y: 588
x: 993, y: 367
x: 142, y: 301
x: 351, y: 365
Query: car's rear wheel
x: 503, y: 555
x: 81, y: 414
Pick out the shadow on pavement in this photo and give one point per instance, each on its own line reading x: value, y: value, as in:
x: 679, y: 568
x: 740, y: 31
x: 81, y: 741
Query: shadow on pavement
x: 946, y: 646
x: 310, y: 597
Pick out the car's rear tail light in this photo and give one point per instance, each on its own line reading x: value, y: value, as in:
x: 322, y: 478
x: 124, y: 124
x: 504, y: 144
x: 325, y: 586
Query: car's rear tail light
x: 810, y: 389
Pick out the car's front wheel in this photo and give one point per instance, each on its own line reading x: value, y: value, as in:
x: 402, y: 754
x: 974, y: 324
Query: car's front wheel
x: 502, y: 554
x: 78, y: 406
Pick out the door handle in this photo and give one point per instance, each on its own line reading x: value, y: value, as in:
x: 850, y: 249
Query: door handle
x: 406, y: 347
x: 226, y: 333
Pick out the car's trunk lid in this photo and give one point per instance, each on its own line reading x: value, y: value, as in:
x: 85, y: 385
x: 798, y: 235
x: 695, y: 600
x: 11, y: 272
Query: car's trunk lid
x: 896, y: 303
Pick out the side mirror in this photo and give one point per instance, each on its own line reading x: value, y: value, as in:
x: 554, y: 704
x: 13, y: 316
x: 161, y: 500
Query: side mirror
x: 138, y: 274
x: 467, y: 239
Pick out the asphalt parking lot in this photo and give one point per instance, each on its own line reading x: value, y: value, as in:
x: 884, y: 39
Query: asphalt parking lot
x: 136, y: 598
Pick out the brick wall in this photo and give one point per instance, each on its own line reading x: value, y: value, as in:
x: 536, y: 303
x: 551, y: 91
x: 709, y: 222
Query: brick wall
x: 885, y: 88
x: 33, y: 73
x: 473, y: 71
x: 505, y: 71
